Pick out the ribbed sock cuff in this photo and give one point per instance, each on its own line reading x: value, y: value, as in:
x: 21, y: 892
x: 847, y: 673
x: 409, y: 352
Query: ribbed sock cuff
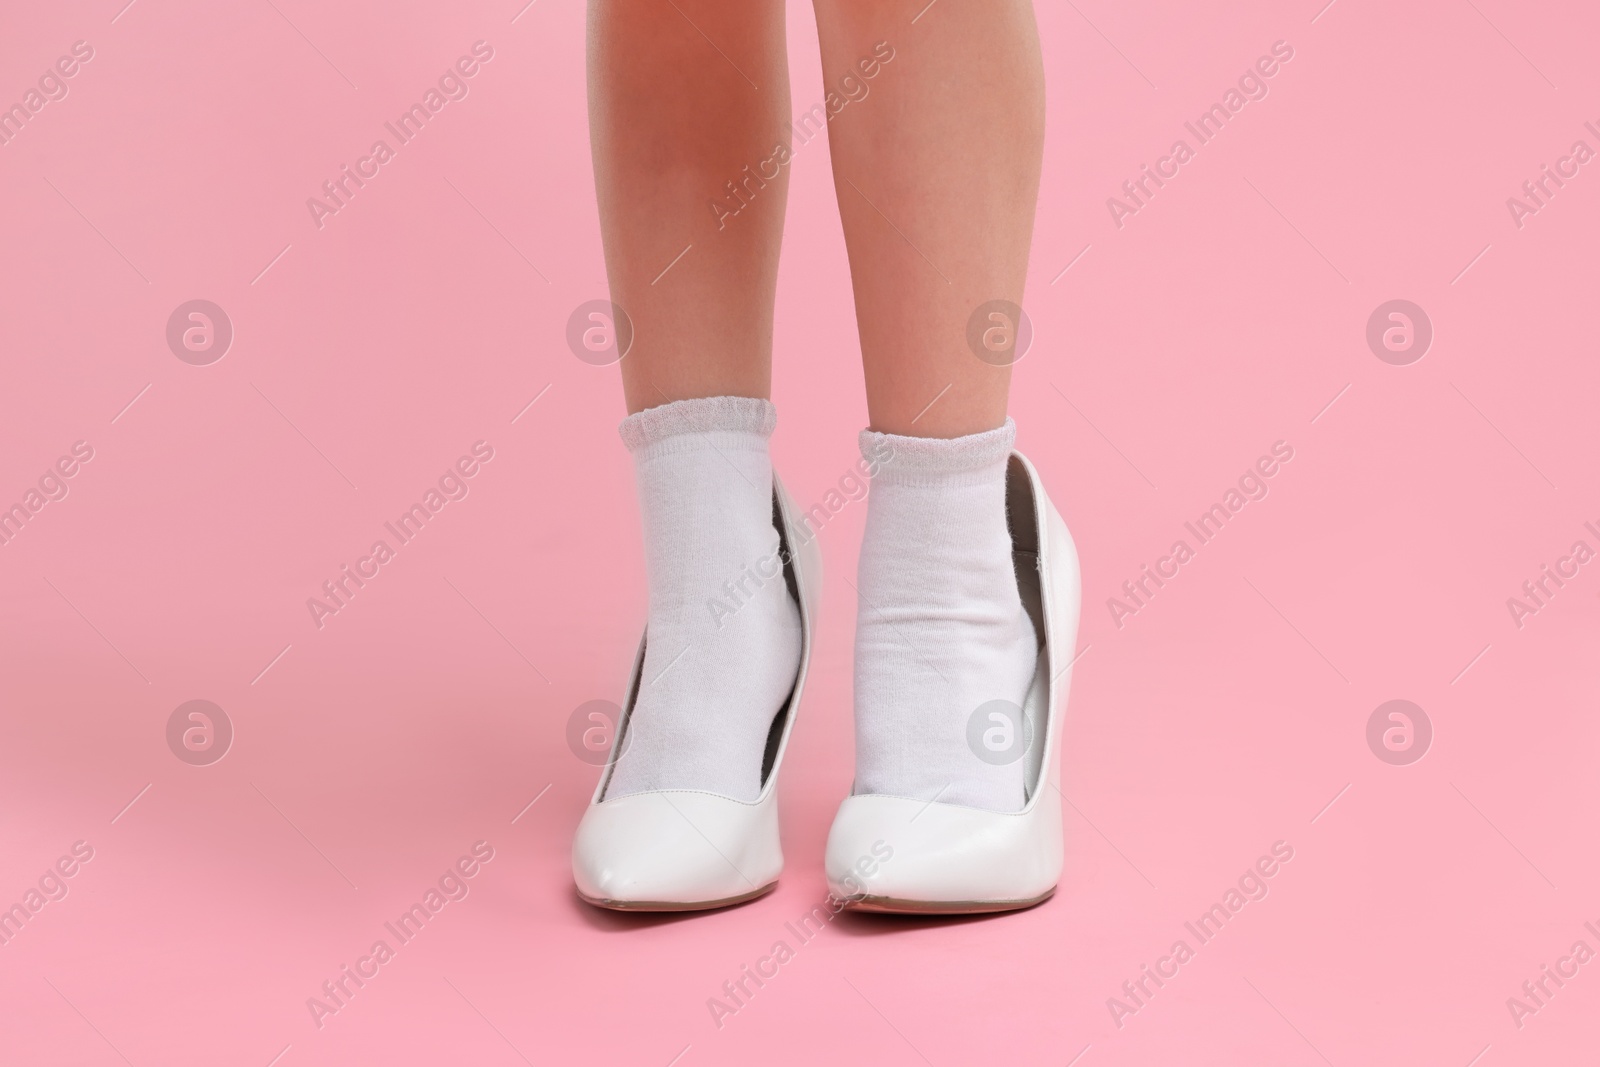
x: 938, y: 460
x: 706, y: 415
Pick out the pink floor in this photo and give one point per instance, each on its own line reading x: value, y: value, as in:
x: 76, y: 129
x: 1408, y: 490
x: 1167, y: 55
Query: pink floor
x: 1225, y: 718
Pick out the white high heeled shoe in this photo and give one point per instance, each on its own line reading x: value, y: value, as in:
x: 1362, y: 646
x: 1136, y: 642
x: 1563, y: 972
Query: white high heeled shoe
x: 945, y: 858
x: 687, y: 849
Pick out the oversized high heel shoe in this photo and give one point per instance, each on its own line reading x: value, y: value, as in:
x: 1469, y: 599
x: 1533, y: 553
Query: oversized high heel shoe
x: 687, y: 849
x: 894, y: 854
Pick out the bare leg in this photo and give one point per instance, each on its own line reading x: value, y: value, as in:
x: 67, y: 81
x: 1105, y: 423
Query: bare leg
x: 674, y: 116
x: 937, y: 174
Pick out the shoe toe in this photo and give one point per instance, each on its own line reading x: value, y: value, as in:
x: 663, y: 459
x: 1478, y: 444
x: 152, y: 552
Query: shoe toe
x: 675, y: 849
x: 909, y: 852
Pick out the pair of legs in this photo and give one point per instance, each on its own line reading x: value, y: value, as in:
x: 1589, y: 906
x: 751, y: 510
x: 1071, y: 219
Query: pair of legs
x: 936, y: 171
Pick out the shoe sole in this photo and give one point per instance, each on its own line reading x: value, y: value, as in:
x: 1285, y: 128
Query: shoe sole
x: 898, y: 906
x: 675, y: 905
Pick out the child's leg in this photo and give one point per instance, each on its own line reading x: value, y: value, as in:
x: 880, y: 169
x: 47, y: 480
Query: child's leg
x: 937, y: 172
x: 674, y: 117
x: 685, y: 95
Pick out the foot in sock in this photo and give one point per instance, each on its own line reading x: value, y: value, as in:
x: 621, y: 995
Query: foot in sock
x: 940, y: 626
x: 717, y: 666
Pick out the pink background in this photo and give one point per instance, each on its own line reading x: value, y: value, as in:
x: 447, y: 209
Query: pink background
x: 1224, y: 316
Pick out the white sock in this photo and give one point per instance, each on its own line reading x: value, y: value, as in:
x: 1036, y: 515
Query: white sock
x: 723, y: 641
x: 940, y: 626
